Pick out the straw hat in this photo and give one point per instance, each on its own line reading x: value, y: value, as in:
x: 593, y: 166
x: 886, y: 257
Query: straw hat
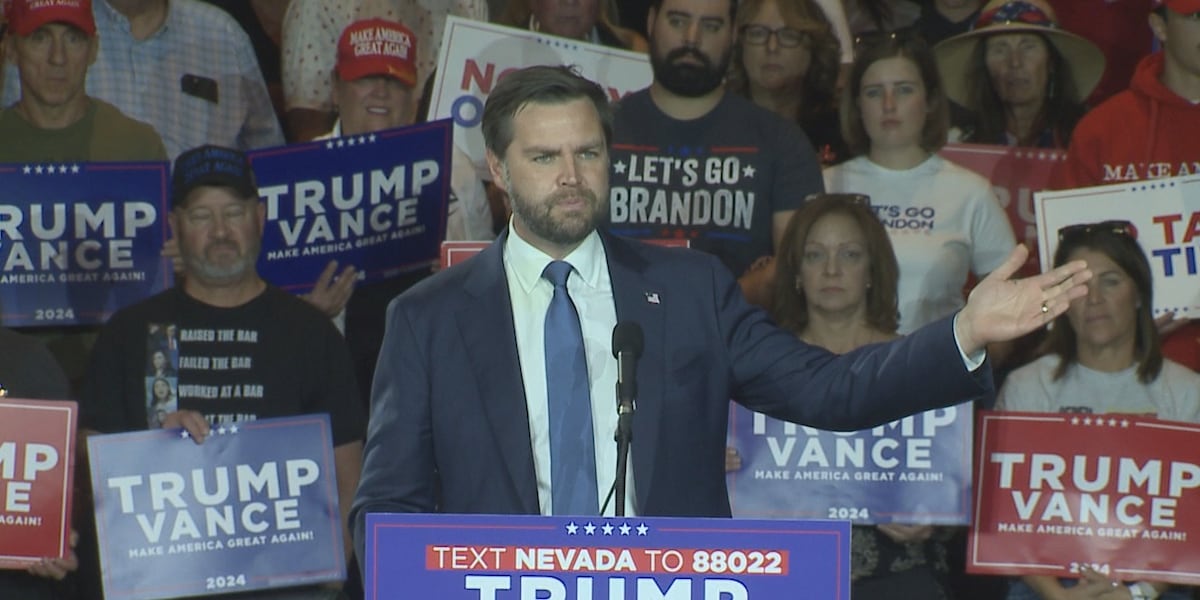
x: 954, y: 55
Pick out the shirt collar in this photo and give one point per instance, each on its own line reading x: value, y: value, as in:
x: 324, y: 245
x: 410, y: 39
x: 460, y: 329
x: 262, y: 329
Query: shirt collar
x: 103, y: 10
x: 527, y: 262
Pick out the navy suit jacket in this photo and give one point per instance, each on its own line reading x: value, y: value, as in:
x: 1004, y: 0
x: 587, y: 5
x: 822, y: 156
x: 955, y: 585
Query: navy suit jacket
x: 449, y: 429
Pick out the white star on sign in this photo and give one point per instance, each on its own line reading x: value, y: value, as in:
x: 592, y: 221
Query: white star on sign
x: 642, y: 529
x: 27, y: 170
x: 589, y: 529
x: 38, y: 169
x: 74, y: 169
x: 572, y: 528
x: 748, y: 171
x: 625, y: 528
x: 608, y: 529
x: 619, y: 167
x: 183, y: 434
x: 233, y: 429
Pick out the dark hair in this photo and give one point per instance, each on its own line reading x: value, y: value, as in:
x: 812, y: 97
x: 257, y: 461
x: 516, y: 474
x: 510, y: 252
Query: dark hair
x: 1061, y: 108
x: 537, y: 85
x: 818, y: 88
x: 896, y: 45
x: 1123, y: 250
x: 656, y: 5
x: 789, y: 306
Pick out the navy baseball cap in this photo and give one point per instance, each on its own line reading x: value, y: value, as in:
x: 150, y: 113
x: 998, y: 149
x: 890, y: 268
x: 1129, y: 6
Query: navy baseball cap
x: 211, y: 166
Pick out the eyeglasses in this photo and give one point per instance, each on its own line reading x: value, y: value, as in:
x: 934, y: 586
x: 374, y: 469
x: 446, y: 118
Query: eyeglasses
x: 1123, y: 228
x: 852, y: 199
x: 786, y: 37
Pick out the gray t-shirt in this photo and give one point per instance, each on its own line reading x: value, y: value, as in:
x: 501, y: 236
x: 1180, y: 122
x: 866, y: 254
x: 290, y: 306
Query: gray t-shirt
x: 1174, y: 395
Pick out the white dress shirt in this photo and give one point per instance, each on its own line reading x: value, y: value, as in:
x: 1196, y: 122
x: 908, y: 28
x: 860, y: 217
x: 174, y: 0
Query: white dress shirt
x: 590, y: 289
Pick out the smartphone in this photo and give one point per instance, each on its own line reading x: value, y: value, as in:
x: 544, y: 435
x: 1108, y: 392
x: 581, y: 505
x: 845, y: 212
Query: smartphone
x: 204, y: 88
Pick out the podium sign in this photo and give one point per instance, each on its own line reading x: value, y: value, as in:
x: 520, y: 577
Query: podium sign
x: 484, y: 557
x: 37, y: 470
x: 1057, y: 492
x: 254, y: 506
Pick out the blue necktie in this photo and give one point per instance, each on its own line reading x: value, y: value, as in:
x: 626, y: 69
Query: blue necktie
x: 572, y: 454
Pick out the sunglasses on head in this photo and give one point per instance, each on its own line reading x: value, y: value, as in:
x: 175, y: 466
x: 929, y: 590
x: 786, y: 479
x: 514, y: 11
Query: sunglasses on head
x: 1123, y: 228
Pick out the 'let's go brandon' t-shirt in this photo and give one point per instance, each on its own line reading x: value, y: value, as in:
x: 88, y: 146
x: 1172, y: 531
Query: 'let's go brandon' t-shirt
x: 274, y: 356
x: 716, y: 181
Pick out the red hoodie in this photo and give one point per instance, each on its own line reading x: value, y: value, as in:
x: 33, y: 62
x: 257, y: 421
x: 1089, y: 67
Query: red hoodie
x: 1145, y: 132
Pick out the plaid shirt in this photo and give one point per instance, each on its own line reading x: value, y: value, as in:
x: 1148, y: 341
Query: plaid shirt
x: 197, y: 43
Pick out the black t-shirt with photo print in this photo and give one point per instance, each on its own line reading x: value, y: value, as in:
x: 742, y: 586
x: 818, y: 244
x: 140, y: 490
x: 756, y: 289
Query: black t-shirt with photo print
x: 274, y: 356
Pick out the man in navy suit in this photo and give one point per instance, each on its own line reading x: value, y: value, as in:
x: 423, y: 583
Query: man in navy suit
x: 459, y: 419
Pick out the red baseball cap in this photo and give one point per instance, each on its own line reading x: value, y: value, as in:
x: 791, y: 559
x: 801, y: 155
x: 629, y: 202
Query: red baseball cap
x: 1183, y: 7
x: 26, y: 16
x: 377, y: 47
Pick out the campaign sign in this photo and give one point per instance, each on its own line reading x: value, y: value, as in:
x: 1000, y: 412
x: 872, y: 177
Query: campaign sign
x: 80, y: 240
x: 1058, y: 492
x: 474, y: 55
x: 37, y: 473
x: 254, y: 506
x: 915, y: 470
x: 1015, y: 174
x: 1166, y: 215
x: 485, y: 557
x: 375, y: 201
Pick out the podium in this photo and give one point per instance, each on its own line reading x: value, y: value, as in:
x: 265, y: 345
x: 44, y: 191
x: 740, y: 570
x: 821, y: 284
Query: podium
x: 490, y: 557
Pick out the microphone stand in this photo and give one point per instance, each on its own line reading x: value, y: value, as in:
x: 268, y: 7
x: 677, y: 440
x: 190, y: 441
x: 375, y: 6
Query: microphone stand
x: 623, y: 437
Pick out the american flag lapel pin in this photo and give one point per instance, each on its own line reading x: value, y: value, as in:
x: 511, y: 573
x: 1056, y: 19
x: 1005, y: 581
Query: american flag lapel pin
x: 652, y: 298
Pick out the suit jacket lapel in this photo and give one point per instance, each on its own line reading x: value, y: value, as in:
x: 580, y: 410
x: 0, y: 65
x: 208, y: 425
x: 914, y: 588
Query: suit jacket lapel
x: 486, y: 325
x: 643, y: 302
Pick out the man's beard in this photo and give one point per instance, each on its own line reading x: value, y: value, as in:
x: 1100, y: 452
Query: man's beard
x: 685, y: 79
x: 565, y: 231
x: 202, y: 269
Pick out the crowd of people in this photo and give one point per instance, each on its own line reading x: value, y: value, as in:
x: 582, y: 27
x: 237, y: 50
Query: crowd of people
x: 825, y: 119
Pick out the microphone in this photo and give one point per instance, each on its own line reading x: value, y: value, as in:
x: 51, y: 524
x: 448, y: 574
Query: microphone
x: 627, y: 344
